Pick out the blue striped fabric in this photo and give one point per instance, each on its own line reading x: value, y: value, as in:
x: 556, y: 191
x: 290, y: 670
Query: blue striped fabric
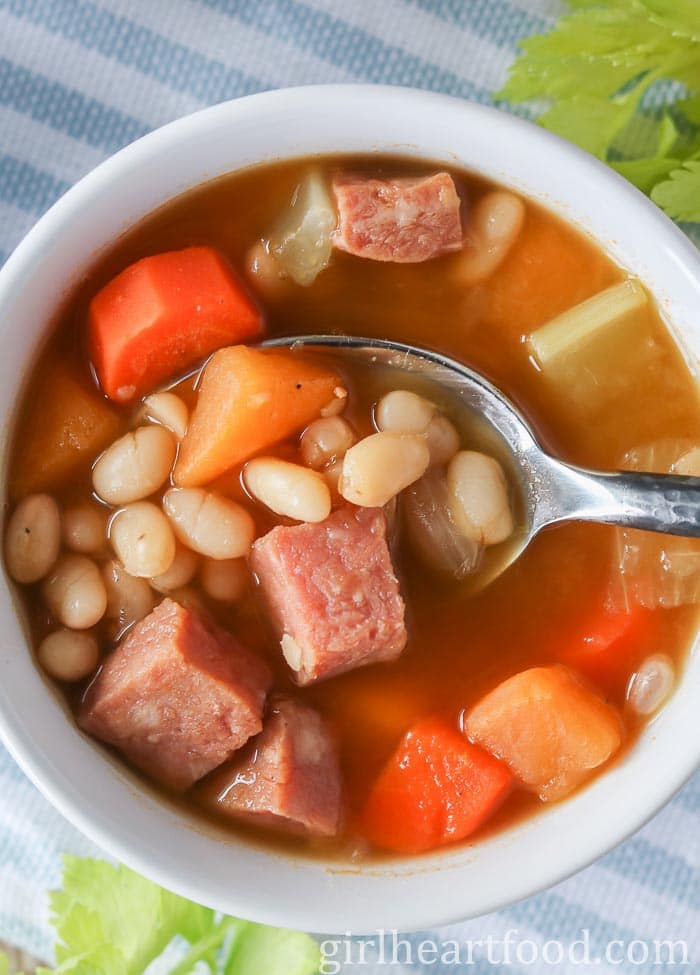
x: 81, y: 78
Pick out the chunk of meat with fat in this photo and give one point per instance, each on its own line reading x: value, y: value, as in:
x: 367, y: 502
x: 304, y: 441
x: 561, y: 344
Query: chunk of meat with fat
x: 287, y: 778
x: 332, y: 593
x: 548, y: 727
x: 405, y: 220
x: 178, y: 696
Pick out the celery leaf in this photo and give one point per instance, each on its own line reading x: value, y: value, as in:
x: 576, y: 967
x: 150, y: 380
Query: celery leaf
x: 591, y: 122
x: 111, y: 921
x: 646, y: 173
x: 679, y: 195
x: 111, y: 906
x: 273, y: 951
x: 691, y: 108
x: 596, y: 72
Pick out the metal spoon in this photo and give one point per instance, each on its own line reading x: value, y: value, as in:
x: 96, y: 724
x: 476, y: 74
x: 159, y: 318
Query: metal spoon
x: 552, y: 491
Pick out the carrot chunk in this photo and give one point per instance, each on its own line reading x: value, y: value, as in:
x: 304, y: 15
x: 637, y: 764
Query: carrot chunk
x: 607, y: 646
x: 548, y: 727
x: 248, y: 400
x: 164, y: 314
x: 435, y: 789
x: 62, y: 431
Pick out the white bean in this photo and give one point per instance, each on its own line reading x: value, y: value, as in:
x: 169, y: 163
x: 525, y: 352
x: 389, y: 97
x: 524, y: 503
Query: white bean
x: 183, y: 569
x: 135, y: 466
x: 84, y: 529
x: 129, y: 598
x: 69, y: 655
x: 402, y: 411
x: 478, y: 493
x: 33, y: 538
x: 75, y: 593
x: 168, y: 410
x: 651, y: 685
x: 493, y: 227
x: 337, y: 404
x: 324, y: 441
x: 225, y: 580
x: 209, y: 523
x: 442, y: 439
x: 380, y: 466
x: 143, y: 540
x: 265, y: 271
x: 288, y: 489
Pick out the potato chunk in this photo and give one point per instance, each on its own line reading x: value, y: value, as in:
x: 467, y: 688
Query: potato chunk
x: 548, y: 727
x: 64, y: 429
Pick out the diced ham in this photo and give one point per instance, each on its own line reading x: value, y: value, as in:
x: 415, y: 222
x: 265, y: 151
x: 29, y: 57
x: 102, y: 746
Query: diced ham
x: 332, y: 592
x: 288, y: 777
x: 178, y: 696
x: 405, y: 220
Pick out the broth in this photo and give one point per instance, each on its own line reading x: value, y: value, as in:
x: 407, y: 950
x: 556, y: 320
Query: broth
x: 460, y: 644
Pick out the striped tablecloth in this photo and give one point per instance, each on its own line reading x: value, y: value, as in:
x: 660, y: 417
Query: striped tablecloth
x: 81, y: 78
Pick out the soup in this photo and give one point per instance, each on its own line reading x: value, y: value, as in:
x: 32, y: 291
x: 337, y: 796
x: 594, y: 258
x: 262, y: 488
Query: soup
x: 255, y: 573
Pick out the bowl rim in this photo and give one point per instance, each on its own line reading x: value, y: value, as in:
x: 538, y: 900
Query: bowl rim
x: 363, y: 910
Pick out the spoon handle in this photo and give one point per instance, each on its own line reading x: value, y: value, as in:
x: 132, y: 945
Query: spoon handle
x: 668, y: 503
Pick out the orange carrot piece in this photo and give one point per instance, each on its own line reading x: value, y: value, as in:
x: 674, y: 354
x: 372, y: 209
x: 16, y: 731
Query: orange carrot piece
x: 164, y: 314
x: 548, y: 727
x: 605, y: 648
x: 436, y: 788
x: 61, y: 433
x: 249, y: 399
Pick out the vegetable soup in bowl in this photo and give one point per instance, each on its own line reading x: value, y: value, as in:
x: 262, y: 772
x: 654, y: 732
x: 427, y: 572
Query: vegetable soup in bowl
x: 253, y: 643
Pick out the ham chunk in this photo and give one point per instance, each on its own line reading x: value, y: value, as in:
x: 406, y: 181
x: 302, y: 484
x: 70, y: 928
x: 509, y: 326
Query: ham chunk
x: 178, y: 696
x: 405, y: 220
x: 287, y: 778
x: 332, y: 593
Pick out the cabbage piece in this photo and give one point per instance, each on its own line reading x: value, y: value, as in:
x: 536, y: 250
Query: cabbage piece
x: 432, y: 529
x: 301, y: 240
x: 653, y: 570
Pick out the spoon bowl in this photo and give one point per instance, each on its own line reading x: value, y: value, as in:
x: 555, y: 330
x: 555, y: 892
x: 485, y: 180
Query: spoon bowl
x: 550, y: 491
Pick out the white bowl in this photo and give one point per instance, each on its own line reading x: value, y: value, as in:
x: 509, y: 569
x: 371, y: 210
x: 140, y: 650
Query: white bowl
x: 104, y: 800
